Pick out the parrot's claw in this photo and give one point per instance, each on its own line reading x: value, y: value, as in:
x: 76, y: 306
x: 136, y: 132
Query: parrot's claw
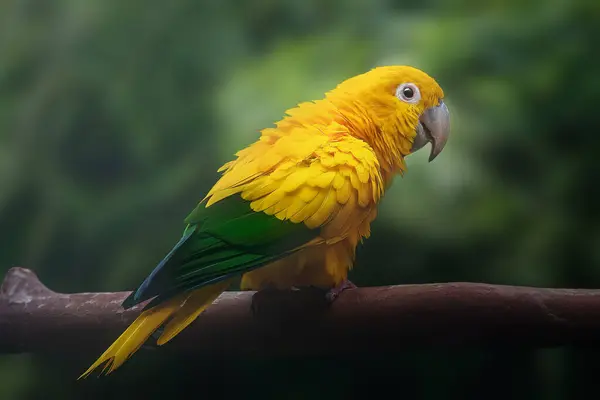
x: 333, y: 293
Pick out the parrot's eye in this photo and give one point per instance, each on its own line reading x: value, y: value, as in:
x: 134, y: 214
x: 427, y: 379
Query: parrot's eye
x: 408, y: 92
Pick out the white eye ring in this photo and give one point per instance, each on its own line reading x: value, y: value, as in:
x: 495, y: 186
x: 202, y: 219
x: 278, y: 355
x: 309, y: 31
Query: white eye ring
x: 409, y: 93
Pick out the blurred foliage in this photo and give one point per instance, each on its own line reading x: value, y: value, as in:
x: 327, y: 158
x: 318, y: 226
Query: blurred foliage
x: 115, y: 116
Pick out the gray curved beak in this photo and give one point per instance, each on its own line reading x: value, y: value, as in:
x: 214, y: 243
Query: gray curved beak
x: 435, y: 125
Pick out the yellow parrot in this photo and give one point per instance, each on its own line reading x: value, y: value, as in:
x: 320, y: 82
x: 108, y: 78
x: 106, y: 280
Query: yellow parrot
x: 291, y: 208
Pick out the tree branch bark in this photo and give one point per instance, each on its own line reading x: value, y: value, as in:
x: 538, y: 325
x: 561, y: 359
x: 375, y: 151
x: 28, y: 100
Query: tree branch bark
x: 365, y: 320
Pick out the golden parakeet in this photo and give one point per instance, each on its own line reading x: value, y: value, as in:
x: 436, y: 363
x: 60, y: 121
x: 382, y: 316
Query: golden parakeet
x: 290, y: 209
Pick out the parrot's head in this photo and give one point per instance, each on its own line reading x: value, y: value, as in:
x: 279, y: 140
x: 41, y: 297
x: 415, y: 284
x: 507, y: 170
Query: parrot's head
x: 405, y: 110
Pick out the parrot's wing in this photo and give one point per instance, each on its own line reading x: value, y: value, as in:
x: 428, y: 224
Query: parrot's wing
x: 268, y: 205
x: 219, y: 242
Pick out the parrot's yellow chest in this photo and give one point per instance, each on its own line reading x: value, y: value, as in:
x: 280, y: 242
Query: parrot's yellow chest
x: 324, y: 265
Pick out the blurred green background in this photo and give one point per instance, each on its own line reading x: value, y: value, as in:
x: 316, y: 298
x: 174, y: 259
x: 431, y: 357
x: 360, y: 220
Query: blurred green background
x: 114, y: 117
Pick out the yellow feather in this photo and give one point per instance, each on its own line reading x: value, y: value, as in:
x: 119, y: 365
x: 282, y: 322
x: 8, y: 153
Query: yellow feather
x: 220, y: 195
x: 195, y: 304
x: 281, y: 215
x: 327, y: 161
x: 259, y: 188
x: 338, y: 261
x: 343, y: 193
x: 283, y: 204
x: 135, y: 336
x: 258, y: 205
x: 340, y: 146
x: 345, y: 170
x: 338, y: 181
x: 331, y: 258
x: 342, y: 158
x: 364, y: 195
x: 356, y: 184
x: 183, y: 309
x: 311, y: 207
x: 363, y: 173
x: 345, y: 218
x: 269, y: 201
x: 294, y: 180
x: 268, y: 160
x: 375, y: 190
x: 302, y: 197
x: 226, y: 166
x: 307, y: 193
x: 364, y: 229
x: 283, y: 170
x: 297, y: 205
x: 243, y: 171
x: 325, y: 211
x: 323, y: 180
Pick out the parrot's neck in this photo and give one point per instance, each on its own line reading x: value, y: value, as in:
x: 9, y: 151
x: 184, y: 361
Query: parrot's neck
x: 389, y: 136
x: 385, y: 135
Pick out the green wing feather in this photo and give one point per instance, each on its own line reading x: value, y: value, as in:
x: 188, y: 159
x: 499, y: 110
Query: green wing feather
x: 221, y: 241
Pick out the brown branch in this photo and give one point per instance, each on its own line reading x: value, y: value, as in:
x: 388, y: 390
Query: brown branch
x: 371, y: 319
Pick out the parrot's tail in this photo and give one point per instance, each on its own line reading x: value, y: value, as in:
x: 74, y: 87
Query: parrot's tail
x: 182, y: 311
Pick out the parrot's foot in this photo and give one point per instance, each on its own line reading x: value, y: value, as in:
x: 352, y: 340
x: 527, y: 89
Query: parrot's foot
x: 333, y: 293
